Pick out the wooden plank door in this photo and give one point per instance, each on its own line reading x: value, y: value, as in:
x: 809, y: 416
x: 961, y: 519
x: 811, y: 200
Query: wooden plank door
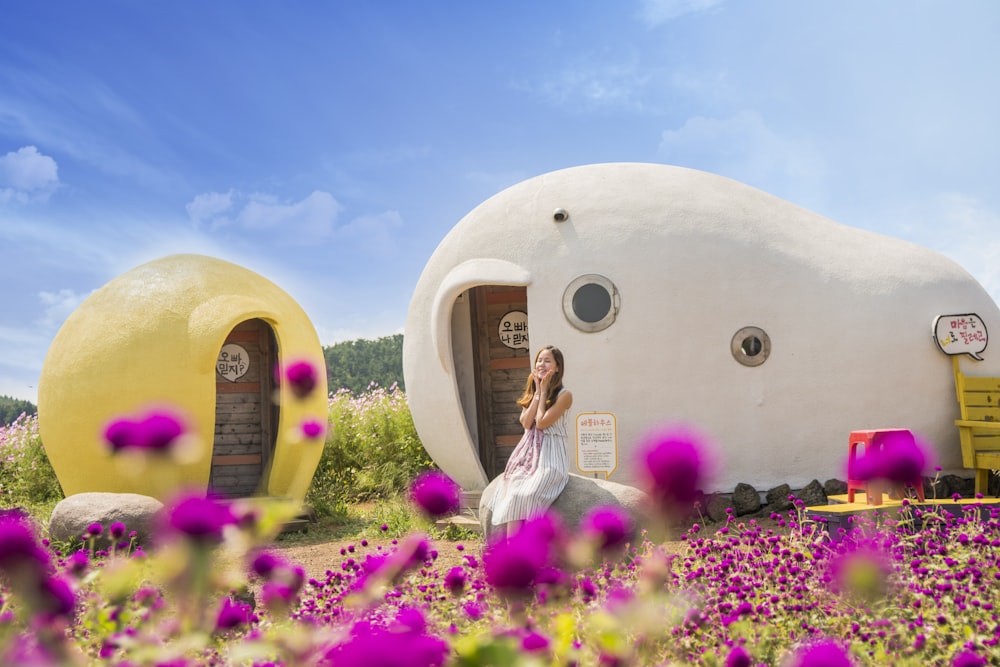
x: 501, y: 371
x: 245, y: 415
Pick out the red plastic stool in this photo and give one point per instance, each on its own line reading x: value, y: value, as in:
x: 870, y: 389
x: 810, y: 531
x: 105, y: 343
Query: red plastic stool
x: 872, y: 440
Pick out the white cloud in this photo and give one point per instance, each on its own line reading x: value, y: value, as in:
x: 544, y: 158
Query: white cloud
x: 744, y: 148
x: 58, y: 306
x: 311, y: 219
x: 655, y: 12
x: 602, y: 84
x: 207, y: 208
x: 300, y: 222
x: 27, y: 176
x: 375, y: 234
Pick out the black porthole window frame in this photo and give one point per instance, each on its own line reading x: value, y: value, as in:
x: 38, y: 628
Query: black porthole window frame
x: 751, y: 346
x: 574, y: 293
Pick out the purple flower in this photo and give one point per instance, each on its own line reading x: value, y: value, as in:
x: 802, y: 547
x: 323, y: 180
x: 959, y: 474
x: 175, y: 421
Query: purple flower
x: 512, y: 568
x: 534, y: 642
x: 455, y: 580
x: 514, y: 565
x: 78, y: 562
x: 899, y: 458
x: 232, y: 615
x: 312, y: 428
x: 55, y: 597
x: 301, y: 377
x: 968, y: 659
x: 199, y: 519
x: 824, y: 653
x: 672, y: 465
x: 19, y: 547
x: 277, y: 596
x: 94, y: 529
x: 117, y: 530
x: 610, y: 526
x: 902, y: 459
x: 265, y: 563
x: 403, y: 643
x: 738, y: 657
x: 436, y: 494
x: 155, y: 431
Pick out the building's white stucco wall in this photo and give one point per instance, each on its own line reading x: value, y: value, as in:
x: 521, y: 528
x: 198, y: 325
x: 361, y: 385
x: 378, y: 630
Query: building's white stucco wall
x: 695, y: 257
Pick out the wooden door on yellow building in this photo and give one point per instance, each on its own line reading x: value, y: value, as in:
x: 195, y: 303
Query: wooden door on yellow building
x: 246, y: 414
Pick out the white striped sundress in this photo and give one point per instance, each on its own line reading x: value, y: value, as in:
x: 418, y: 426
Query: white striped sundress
x: 523, y: 495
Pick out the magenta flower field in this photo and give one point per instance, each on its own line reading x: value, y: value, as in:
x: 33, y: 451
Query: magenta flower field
x: 921, y: 588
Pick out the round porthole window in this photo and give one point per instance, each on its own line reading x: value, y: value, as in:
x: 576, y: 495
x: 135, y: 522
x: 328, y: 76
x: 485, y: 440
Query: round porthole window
x: 591, y: 302
x: 751, y: 346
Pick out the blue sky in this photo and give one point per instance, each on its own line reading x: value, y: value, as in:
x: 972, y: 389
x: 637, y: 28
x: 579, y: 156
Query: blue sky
x: 330, y: 146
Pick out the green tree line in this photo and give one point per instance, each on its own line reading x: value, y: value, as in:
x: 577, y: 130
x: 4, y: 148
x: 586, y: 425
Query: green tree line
x: 11, y: 408
x: 356, y: 364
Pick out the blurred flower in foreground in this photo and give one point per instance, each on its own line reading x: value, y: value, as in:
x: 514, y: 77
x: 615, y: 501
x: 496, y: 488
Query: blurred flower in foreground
x: 436, y: 494
x: 455, y: 580
x: 20, y: 551
x: 900, y: 458
x: 672, y: 464
x: 313, y: 429
x: 824, y: 653
x: 157, y: 430
x: 514, y: 564
x: 199, y: 519
x: 609, y: 527
x: 861, y: 573
x: 969, y: 659
x: 302, y: 378
x: 738, y: 657
x: 26, y: 568
x: 404, y: 642
x: 233, y: 615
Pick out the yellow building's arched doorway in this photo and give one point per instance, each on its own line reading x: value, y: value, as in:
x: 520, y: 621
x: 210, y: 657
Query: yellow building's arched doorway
x: 246, y: 416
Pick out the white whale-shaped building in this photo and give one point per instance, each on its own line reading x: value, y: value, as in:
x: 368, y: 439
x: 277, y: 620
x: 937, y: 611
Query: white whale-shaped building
x: 682, y: 296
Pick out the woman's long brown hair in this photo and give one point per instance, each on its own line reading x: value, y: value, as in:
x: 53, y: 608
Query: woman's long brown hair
x: 555, y: 385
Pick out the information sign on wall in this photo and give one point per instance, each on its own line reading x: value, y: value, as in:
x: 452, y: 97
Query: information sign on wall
x: 233, y: 362
x: 596, y: 443
x: 961, y: 334
x: 513, y: 329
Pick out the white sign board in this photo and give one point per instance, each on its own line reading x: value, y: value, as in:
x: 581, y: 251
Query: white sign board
x: 513, y: 329
x: 596, y: 443
x: 233, y: 362
x: 961, y: 334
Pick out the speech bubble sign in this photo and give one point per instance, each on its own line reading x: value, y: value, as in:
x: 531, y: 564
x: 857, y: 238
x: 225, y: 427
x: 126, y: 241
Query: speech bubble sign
x: 961, y: 334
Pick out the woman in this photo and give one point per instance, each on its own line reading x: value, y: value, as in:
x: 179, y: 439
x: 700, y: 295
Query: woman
x: 537, y: 471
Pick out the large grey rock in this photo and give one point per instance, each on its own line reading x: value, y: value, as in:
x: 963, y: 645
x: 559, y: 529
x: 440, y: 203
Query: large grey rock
x: 834, y: 487
x: 717, y: 507
x: 963, y: 486
x: 73, y: 515
x: 746, y: 499
x: 777, y: 498
x: 812, y: 494
x: 580, y: 496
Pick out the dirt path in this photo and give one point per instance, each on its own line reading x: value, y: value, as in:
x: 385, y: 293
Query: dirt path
x: 318, y: 558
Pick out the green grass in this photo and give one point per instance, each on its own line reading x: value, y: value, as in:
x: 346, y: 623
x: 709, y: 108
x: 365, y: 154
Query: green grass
x: 365, y: 520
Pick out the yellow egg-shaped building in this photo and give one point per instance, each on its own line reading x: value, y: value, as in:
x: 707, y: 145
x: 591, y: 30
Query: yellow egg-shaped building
x: 202, y: 337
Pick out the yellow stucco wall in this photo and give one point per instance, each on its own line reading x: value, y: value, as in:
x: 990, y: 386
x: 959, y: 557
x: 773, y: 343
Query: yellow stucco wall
x: 152, y: 337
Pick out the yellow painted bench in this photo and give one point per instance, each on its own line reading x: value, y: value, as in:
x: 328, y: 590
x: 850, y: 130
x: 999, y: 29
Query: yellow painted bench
x: 979, y: 425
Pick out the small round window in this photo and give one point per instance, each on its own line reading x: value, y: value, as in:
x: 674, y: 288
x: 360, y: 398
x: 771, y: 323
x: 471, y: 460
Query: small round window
x: 751, y: 346
x: 591, y: 302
